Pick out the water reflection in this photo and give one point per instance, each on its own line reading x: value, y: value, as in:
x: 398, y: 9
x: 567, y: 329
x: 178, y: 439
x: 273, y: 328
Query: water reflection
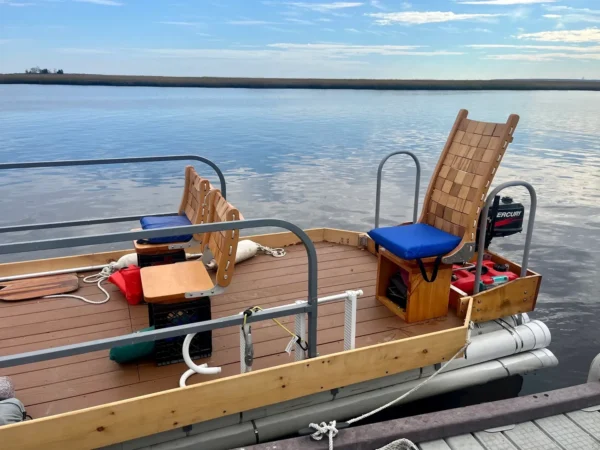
x: 311, y: 157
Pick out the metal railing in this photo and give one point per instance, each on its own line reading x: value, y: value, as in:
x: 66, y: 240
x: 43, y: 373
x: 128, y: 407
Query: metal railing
x: 310, y: 307
x: 417, y: 183
x: 483, y: 225
x: 94, y: 162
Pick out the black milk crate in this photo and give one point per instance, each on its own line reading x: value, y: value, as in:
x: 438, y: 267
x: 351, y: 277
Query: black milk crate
x: 169, y: 351
x: 161, y: 258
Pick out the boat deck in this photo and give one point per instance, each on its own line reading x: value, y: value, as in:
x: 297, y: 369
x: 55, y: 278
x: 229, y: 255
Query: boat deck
x: 67, y: 384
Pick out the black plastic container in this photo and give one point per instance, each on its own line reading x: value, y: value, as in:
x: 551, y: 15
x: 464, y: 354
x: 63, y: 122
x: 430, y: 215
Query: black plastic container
x: 168, y: 351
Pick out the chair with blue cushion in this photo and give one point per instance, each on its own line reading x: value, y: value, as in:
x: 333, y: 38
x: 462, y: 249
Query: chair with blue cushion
x: 194, y: 209
x: 446, y: 231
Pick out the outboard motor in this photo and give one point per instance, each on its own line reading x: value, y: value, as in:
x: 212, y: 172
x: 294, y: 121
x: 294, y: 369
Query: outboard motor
x: 504, y: 219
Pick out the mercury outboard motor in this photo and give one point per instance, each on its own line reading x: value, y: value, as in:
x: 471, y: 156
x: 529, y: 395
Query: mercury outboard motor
x: 505, y: 218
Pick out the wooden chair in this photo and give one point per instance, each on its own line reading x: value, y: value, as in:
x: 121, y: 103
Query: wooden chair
x: 446, y: 231
x: 184, y: 281
x: 193, y: 210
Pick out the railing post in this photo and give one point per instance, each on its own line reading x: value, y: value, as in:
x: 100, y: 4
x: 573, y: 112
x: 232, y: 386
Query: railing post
x: 417, y: 183
x: 483, y: 226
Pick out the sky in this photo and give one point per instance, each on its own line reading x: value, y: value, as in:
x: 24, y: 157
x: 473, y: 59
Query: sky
x: 432, y: 39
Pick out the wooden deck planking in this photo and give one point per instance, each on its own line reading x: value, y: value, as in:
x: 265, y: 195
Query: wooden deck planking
x: 66, y: 384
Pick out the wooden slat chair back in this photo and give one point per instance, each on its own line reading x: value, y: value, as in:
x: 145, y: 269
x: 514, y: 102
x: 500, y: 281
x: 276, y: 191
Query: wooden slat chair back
x: 178, y: 282
x: 223, y: 244
x: 446, y: 230
x: 463, y: 176
x: 194, y: 200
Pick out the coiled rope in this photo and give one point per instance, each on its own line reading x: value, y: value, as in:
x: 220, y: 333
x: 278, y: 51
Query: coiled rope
x: 97, y: 278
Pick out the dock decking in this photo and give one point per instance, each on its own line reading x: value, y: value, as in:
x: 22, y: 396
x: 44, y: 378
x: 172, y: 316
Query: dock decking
x: 574, y: 430
x: 67, y: 384
x: 563, y: 419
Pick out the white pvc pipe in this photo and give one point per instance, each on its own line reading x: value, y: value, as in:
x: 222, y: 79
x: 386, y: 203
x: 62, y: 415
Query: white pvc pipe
x: 54, y: 272
x: 201, y: 369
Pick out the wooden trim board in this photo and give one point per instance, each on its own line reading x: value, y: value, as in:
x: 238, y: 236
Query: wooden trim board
x: 515, y: 297
x: 142, y: 416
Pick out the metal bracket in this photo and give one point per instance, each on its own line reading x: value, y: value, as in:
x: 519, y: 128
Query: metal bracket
x: 214, y: 291
x: 465, y: 254
x: 363, y: 240
x: 180, y: 246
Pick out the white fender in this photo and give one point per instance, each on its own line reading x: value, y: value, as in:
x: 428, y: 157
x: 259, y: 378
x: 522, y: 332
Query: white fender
x: 130, y: 259
x: 245, y: 250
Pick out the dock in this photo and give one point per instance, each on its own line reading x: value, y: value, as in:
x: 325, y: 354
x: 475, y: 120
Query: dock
x: 562, y: 419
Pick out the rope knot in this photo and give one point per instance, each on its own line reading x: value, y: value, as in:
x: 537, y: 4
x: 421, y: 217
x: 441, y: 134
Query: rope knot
x: 323, y: 429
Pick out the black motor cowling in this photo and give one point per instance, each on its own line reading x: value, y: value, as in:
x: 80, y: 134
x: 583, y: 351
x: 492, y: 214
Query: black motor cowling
x: 505, y: 218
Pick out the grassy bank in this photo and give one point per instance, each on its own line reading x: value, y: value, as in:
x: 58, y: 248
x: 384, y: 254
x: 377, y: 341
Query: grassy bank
x: 297, y: 83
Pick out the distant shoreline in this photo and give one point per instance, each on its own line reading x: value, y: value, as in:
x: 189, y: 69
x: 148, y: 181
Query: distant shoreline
x: 297, y: 83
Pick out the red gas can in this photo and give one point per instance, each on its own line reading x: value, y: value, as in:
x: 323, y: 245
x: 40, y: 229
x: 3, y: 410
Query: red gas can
x: 464, y: 279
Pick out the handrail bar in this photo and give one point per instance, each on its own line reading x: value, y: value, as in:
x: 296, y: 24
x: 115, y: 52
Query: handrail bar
x: 103, y: 161
x: 483, y: 225
x: 79, y: 223
x: 68, y: 350
x: 417, y: 183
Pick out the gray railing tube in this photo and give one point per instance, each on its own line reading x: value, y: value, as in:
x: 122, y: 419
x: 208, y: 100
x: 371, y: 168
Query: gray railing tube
x: 100, y: 162
x: 68, y: 242
x: 483, y: 224
x: 417, y: 183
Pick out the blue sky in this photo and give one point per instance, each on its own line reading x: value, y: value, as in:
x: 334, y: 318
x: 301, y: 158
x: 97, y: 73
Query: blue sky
x: 449, y: 39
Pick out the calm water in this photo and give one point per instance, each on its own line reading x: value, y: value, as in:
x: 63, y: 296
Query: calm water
x: 311, y: 157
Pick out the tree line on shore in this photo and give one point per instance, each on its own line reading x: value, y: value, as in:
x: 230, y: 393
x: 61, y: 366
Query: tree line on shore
x: 37, y: 69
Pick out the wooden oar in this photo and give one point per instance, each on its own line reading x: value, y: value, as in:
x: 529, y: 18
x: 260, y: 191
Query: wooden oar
x: 38, y: 287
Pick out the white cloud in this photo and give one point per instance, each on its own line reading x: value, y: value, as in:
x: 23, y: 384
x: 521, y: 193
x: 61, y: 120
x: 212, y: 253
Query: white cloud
x: 351, y: 30
x: 323, y: 7
x: 572, y: 15
x: 250, y: 22
x: 559, y: 48
x: 585, y: 35
x: 323, y: 19
x: 101, y: 2
x: 348, y: 50
x: 422, y: 17
x: 299, y: 21
x: 15, y: 4
x: 481, y: 30
x: 182, y: 24
x: 84, y: 51
x: 540, y: 57
x: 377, y: 4
x: 504, y: 2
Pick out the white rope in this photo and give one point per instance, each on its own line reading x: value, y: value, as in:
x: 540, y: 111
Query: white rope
x: 324, y: 429
x: 275, y: 252
x: 91, y: 279
x: 401, y: 444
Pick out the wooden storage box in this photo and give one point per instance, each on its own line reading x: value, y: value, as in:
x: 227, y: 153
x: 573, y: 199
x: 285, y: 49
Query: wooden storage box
x: 515, y: 297
x: 423, y: 300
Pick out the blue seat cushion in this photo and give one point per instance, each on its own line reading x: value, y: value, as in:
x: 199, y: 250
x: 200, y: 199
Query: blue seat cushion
x: 414, y: 241
x: 152, y: 223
